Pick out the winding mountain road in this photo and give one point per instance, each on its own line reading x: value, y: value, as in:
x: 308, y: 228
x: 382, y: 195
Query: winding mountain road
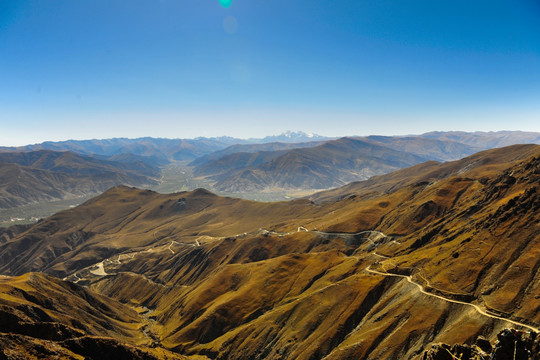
x: 420, y: 287
x: 476, y: 307
x: 371, y: 235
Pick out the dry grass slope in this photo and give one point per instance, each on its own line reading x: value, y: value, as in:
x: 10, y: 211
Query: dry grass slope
x: 233, y: 279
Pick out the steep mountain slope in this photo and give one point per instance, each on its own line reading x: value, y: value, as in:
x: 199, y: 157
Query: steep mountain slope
x: 42, y: 317
x: 250, y: 148
x: 331, y: 164
x: 484, y: 163
x: 37, y: 176
x: 436, y: 253
x: 224, y: 165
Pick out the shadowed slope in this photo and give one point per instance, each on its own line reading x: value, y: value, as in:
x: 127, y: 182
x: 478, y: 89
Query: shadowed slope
x: 39, y: 176
x: 49, y: 318
x: 484, y: 163
x: 124, y: 218
x: 331, y: 164
x: 233, y: 279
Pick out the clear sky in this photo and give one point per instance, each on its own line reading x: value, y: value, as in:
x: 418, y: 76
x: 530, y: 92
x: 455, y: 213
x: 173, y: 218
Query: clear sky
x: 249, y: 68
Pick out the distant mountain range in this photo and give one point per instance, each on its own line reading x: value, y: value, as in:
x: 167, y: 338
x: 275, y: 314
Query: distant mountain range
x: 330, y: 164
x: 486, y: 140
x: 159, y: 150
x: 45, y: 175
x: 333, y: 163
x: 293, y: 160
x: 291, y: 137
x: 388, y: 268
x: 326, y: 165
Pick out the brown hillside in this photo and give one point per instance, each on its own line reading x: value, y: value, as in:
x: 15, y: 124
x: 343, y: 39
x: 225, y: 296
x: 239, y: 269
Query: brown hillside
x: 330, y: 164
x: 42, y: 317
x: 40, y: 176
x: 435, y: 253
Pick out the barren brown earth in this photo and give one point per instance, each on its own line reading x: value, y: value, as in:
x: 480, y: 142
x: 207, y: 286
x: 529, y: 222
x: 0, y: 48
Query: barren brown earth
x: 382, y: 269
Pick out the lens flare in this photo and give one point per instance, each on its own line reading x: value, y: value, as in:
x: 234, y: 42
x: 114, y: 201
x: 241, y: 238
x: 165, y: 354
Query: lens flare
x: 230, y: 25
x: 225, y: 3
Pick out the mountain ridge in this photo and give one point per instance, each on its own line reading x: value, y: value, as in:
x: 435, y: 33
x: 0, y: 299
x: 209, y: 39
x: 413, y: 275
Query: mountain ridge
x: 318, y: 165
x: 230, y: 279
x: 45, y: 175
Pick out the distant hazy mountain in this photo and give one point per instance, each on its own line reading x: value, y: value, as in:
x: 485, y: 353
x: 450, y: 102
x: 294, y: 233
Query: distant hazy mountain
x: 38, y: 176
x: 234, y: 161
x: 158, y: 150
x: 486, y: 140
x: 252, y: 148
x: 331, y: 164
x: 292, y: 137
x: 432, y: 149
x: 335, y: 164
x: 478, y: 164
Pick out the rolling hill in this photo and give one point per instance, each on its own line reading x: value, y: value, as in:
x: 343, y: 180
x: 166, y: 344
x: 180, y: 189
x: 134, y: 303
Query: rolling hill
x: 380, y: 269
x: 330, y: 164
x: 38, y: 176
x: 431, y: 149
x: 321, y: 165
x: 251, y: 148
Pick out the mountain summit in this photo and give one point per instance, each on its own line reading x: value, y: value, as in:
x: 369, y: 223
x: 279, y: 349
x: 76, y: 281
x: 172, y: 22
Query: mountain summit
x: 292, y: 137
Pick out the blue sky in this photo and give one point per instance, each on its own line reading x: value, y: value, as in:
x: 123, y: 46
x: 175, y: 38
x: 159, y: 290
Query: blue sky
x: 184, y: 68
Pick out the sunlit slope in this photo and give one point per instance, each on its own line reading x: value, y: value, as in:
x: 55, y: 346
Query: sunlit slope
x: 125, y: 218
x: 482, y: 164
x: 433, y: 253
x: 42, y: 317
x: 40, y: 176
x: 296, y: 305
x: 331, y: 164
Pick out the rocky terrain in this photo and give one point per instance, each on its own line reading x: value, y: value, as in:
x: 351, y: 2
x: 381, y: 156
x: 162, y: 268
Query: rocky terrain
x: 389, y: 268
x: 510, y: 344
